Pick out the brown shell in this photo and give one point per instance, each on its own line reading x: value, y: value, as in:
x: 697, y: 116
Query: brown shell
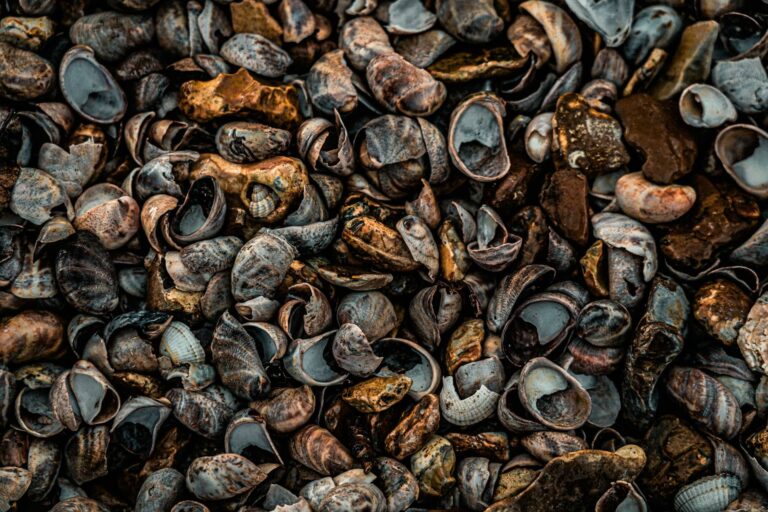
x: 319, y: 450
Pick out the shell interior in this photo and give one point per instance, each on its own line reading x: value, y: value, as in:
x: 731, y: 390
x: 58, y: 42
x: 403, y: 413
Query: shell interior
x: 547, y: 318
x: 319, y: 363
x: 477, y: 138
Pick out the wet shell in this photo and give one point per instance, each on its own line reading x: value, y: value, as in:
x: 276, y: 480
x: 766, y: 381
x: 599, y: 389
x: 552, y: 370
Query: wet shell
x: 433, y: 466
x: 224, y: 476
x: 708, y: 494
x: 471, y: 21
x: 260, y: 267
x: 562, y: 32
x: 23, y: 74
x: 89, y: 88
x: 620, y: 231
x: 86, y: 275
x: 742, y: 149
x: 553, y: 396
x: 320, y: 451
x: 199, y: 411
x: 353, y: 351
x: 703, y: 106
x: 256, y: 53
x: 160, y: 490
x: 31, y: 335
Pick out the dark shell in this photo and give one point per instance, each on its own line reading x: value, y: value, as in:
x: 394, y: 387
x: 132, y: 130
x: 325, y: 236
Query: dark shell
x: 86, y: 275
x: 237, y: 360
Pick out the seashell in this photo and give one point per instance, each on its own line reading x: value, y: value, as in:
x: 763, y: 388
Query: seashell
x: 286, y: 409
x: 319, y: 450
x: 425, y: 373
x: 353, y: 496
x: 620, y: 231
x: 740, y: 148
x: 260, y: 267
x: 15, y: 482
x: 691, y: 62
x: 248, y: 431
x: 745, y: 82
x: 44, y: 463
x: 548, y: 445
x: 421, y: 244
x: 621, y: 494
x: 723, y: 323
x: 538, y: 326
x: 433, y: 311
x: 204, y: 101
x: 271, y: 341
x: 330, y: 86
x: 708, y: 494
x: 562, y: 32
x: 414, y: 428
x: 161, y: 490
x: 425, y: 48
x: 651, y: 203
x: 86, y: 454
x: 408, y: 18
x: 510, y: 289
x: 279, y: 497
x: 214, y: 25
x: 26, y: 33
x: 257, y: 309
x: 225, y: 475
x: 709, y: 403
x: 7, y: 395
x: 401, y: 87
x: 244, y: 142
x: 79, y: 504
x: 655, y: 26
x: 480, y: 155
x: 73, y: 167
x: 538, y: 137
x: 543, y: 382
x: 211, y: 256
x: 610, y: 66
x: 256, y: 53
x: 23, y: 74
x: 180, y: 345
x: 362, y: 39
x: 604, y: 323
x: 529, y: 38
x: 488, y: 372
x: 611, y: 20
x: 352, y: 351
x: 200, y: 411
x: 750, y: 337
x: 433, y: 467
x: 35, y: 281
x: 86, y: 275
x: 399, y: 484
x: 308, y: 362
x: 473, y: 22
x: 34, y: 413
x: 108, y: 212
x: 201, y: 215
x: 495, y: 249
x: 96, y: 400
x: 377, y: 393
x: 112, y: 35
x: 89, y: 88
x: 35, y: 193
x: 137, y: 424
x: 237, y: 360
x: 154, y: 214
x: 468, y: 411
x: 704, y: 106
x: 312, y: 139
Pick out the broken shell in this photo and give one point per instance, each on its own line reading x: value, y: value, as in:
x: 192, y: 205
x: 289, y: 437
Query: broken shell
x: 400, y: 486
x: 89, y: 88
x: 650, y: 203
x: 612, y: 20
x: 553, y: 396
x: 468, y: 411
x: 511, y: 288
x: 108, y: 212
x: 412, y: 360
x: 362, y: 39
x: 709, y: 493
x: 480, y: 154
x: 414, y: 428
x: 538, y: 137
x: 562, y: 32
x: 703, y: 106
x: 246, y: 431
x: 35, y: 193
x: 547, y: 445
x: 619, y: 231
x: 371, y: 311
x: 655, y: 26
x: 721, y: 306
x: 330, y: 86
x: 311, y: 362
x: 15, y: 482
x: 402, y: 87
x: 286, y: 409
x: 237, y: 360
x: 320, y: 451
x: 741, y: 148
x: 138, y: 423
x: 203, y: 412
x: 745, y: 82
x: 224, y: 476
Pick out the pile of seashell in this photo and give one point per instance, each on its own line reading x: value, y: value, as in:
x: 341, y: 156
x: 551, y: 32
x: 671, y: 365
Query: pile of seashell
x: 383, y: 255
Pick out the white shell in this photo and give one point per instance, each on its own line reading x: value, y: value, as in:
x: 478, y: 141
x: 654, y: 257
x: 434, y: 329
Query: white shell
x: 180, y: 345
x: 704, y: 106
x: 620, y: 231
x: 538, y: 137
x: 708, y: 494
x: 470, y: 410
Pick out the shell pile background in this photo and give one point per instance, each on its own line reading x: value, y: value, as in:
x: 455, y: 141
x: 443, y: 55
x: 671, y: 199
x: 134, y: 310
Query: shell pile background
x: 383, y: 255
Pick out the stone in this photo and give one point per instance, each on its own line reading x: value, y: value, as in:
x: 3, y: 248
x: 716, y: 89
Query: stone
x: 564, y: 199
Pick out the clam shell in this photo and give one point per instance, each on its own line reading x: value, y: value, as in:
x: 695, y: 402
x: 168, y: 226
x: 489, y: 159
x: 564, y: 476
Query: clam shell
x: 180, y: 344
x: 708, y: 494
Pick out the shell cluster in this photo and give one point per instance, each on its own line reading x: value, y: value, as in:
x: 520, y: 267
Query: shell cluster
x: 383, y: 255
